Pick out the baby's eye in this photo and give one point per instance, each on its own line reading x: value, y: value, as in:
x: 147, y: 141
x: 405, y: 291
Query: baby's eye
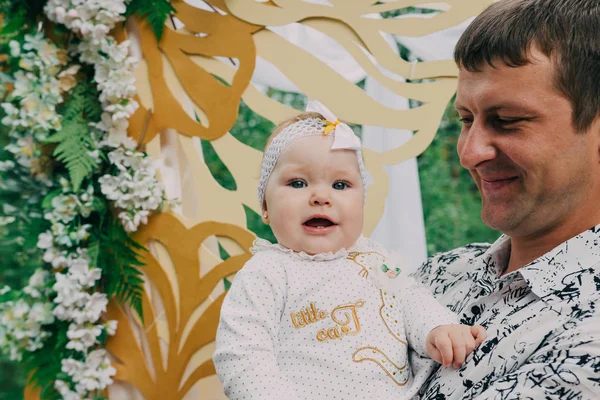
x: 340, y: 185
x: 297, y: 184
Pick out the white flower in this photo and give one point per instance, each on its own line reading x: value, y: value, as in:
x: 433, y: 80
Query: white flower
x: 80, y: 272
x: 36, y: 282
x: 39, y: 278
x: 68, y: 291
x: 15, y: 48
x: 83, y: 337
x: 41, y: 313
x: 65, y: 207
x: 21, y: 326
x: 60, y: 13
x: 72, y: 367
x: 65, y: 391
x: 57, y: 258
x: 20, y: 309
x: 93, y: 308
x: 111, y: 327
x: 65, y: 184
x: 93, y: 374
x: 63, y: 313
x: 45, y: 240
x: 82, y: 233
x: 6, y: 165
x: 135, y: 189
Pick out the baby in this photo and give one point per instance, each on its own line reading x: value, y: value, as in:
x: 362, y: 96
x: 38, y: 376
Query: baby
x: 324, y: 314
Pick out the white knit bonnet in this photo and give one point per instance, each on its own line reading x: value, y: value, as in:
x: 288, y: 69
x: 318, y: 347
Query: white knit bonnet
x: 344, y: 138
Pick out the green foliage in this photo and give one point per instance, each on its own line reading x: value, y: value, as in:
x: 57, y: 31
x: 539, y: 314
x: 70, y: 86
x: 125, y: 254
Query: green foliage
x: 155, y: 12
x: 252, y: 129
x: 18, y: 17
x: 117, y: 255
x: 83, y: 100
x: 406, y: 10
x: 74, y: 139
x: 13, y: 26
x: 223, y: 253
x: 224, y: 256
x: 216, y: 167
x: 259, y: 228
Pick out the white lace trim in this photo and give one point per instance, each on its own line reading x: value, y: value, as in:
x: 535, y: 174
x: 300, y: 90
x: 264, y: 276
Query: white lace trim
x: 263, y: 245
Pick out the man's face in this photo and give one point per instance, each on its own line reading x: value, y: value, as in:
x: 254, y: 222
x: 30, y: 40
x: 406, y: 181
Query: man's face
x: 533, y: 170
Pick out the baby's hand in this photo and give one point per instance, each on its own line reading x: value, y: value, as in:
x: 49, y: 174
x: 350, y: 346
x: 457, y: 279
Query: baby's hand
x: 451, y: 344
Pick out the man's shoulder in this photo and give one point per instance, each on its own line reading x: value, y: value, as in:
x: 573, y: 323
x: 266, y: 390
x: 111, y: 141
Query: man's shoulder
x: 450, y: 263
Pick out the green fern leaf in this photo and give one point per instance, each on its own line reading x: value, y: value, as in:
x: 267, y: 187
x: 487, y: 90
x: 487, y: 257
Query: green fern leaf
x: 73, y: 108
x: 155, y: 12
x: 118, y: 257
x: 93, y: 251
x: 74, y: 143
x: 92, y: 108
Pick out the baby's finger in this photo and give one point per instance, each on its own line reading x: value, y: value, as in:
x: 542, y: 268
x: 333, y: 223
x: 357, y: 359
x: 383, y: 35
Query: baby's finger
x: 458, y: 347
x: 478, y: 332
x: 436, y: 355
x: 469, y: 342
x: 444, y: 346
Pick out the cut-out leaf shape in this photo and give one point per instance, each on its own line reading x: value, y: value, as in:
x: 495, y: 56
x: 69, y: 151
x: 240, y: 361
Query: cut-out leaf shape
x: 190, y: 318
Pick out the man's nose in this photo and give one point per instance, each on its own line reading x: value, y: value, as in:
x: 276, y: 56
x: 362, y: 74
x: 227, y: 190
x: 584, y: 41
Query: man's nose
x: 475, y: 146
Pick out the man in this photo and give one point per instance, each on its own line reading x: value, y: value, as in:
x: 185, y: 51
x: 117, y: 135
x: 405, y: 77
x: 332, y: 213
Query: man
x: 529, y: 98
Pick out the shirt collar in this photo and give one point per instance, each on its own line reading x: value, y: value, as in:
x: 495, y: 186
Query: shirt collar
x: 493, y: 262
x: 566, y: 271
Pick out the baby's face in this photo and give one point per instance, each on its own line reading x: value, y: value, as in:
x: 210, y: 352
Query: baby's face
x: 314, y: 197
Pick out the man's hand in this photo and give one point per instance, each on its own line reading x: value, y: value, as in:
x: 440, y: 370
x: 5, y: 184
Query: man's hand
x: 451, y: 344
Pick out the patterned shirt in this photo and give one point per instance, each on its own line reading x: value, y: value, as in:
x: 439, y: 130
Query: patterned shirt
x: 542, y: 321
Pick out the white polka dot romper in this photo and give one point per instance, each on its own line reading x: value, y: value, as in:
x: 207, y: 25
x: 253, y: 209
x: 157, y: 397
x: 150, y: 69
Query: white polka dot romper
x: 327, y: 326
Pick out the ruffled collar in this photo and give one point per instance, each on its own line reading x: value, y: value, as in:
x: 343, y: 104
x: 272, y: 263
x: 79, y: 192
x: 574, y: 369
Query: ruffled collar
x: 264, y: 245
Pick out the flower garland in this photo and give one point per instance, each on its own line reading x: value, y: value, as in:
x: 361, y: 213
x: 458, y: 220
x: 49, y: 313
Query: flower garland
x: 113, y: 66
x: 63, y: 304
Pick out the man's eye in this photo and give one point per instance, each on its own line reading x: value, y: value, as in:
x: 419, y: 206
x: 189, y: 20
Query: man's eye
x: 507, y: 121
x: 340, y: 185
x: 297, y: 184
x: 466, y: 120
x: 506, y: 124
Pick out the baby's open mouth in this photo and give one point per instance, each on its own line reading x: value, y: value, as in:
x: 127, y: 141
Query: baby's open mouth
x: 318, y: 223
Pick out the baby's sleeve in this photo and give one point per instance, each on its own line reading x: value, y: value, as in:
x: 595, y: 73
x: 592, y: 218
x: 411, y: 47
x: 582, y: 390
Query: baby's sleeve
x: 422, y: 313
x: 245, y: 358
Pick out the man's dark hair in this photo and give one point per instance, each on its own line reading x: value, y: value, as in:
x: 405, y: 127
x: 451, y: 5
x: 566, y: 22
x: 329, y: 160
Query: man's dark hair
x: 567, y: 31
